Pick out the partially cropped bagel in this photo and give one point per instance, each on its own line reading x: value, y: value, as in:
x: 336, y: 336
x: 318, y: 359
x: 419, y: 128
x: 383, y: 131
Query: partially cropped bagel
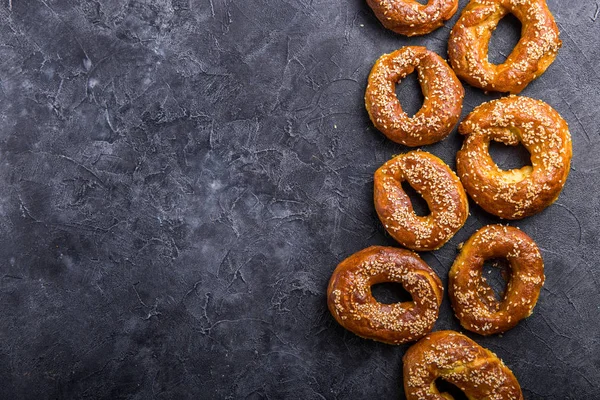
x: 441, y: 88
x: 455, y: 358
x: 354, y: 307
x: 410, y: 18
x: 536, y: 50
x: 440, y: 188
x: 474, y: 302
x: 516, y: 193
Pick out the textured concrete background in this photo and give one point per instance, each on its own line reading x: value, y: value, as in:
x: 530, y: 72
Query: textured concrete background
x: 180, y: 178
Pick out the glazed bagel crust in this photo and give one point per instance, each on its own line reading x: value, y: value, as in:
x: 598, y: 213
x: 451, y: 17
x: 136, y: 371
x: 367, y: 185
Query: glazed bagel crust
x: 472, y: 298
x: 410, y: 18
x: 533, y: 54
x: 440, y: 188
x: 441, y: 88
x: 478, y: 372
x: 516, y: 193
x: 351, y: 303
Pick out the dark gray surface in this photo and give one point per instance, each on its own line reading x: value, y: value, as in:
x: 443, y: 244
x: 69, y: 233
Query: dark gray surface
x: 180, y: 178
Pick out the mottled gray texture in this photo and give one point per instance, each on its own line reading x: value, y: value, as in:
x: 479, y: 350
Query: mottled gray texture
x: 180, y: 178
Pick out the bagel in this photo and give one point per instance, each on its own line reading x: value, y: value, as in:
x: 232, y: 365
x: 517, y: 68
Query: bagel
x: 410, y: 18
x: 472, y: 298
x: 439, y: 186
x: 354, y: 307
x: 448, y: 355
x: 533, y: 54
x: 516, y: 193
x: 441, y: 88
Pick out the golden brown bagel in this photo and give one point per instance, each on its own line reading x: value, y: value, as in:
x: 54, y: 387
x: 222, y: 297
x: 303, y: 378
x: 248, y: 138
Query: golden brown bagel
x: 354, y: 307
x: 472, y: 298
x: 455, y: 358
x: 516, y: 193
x: 410, y: 18
x: 441, y: 88
x: 440, y: 188
x: 533, y: 54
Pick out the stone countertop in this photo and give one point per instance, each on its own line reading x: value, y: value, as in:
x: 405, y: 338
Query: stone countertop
x: 180, y: 178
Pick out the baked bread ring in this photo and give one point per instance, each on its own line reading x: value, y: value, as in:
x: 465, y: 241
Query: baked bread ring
x: 410, y: 18
x: 472, y: 298
x: 351, y: 303
x: 439, y: 186
x: 455, y: 358
x: 533, y: 54
x: 441, y: 88
x: 515, y: 193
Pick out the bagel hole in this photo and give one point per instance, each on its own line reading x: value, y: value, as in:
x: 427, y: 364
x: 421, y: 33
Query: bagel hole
x: 504, y: 39
x: 424, y: 2
x: 509, y: 157
x: 390, y: 293
x: 410, y: 95
x: 445, y: 387
x: 496, y: 273
x: 419, y: 204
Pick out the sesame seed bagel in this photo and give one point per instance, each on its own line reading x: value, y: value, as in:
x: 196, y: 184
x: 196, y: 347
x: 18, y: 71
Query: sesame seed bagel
x: 441, y: 88
x: 455, y: 358
x: 439, y: 186
x: 354, y: 307
x: 410, y: 18
x: 515, y: 193
x: 533, y: 54
x: 474, y: 302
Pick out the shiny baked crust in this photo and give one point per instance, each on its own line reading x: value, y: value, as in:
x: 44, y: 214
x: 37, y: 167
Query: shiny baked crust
x: 442, y: 91
x: 410, y: 18
x: 351, y: 303
x: 437, y: 184
x: 472, y: 298
x: 478, y: 372
x: 533, y: 54
x: 516, y: 193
